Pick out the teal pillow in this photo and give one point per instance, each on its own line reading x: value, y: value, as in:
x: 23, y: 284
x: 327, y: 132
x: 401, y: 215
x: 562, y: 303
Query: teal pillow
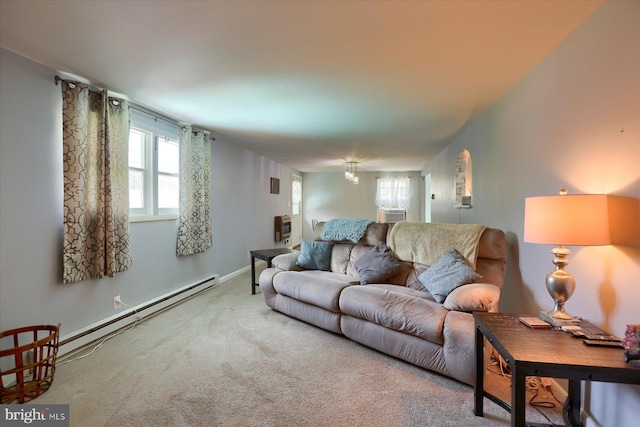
x: 315, y: 255
x: 446, y: 274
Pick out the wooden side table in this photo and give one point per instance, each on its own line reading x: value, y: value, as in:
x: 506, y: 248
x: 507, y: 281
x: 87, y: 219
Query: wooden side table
x: 265, y: 255
x: 544, y: 353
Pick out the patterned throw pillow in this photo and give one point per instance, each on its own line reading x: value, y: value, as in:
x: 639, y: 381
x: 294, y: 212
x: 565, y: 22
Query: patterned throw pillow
x: 377, y: 264
x: 446, y: 274
x: 315, y: 255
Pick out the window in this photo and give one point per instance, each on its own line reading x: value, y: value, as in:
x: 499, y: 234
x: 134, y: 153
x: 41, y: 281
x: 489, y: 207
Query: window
x: 393, y: 193
x: 154, y: 163
x: 393, y: 198
x: 296, y: 194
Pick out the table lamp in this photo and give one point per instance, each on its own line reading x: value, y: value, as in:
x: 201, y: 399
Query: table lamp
x: 580, y: 220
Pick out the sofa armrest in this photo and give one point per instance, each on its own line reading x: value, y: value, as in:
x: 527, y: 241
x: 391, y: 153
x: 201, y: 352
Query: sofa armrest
x: 473, y: 297
x: 286, y: 262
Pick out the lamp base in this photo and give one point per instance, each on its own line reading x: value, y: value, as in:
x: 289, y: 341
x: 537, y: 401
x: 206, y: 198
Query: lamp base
x: 560, y: 283
x: 548, y: 317
x: 558, y: 312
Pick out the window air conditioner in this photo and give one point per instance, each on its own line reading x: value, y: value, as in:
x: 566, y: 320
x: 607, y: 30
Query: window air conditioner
x: 391, y: 216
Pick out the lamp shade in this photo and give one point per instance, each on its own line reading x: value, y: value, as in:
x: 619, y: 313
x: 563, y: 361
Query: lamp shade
x: 576, y: 219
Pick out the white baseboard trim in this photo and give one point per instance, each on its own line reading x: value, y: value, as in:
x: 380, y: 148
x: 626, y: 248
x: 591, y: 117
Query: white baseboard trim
x: 238, y: 272
x: 82, y: 338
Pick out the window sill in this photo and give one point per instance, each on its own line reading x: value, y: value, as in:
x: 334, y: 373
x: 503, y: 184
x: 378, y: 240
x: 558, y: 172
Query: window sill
x: 147, y: 218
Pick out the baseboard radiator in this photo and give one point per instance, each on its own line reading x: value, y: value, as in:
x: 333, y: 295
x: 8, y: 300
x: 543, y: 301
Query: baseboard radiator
x: 85, y: 337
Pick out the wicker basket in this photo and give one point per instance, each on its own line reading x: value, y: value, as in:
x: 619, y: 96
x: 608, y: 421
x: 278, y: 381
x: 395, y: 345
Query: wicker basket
x: 28, y: 377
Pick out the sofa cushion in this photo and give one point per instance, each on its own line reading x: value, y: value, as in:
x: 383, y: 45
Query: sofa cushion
x: 314, y: 255
x: 446, y: 274
x: 473, y: 297
x: 377, y: 264
x: 287, y: 262
x: 408, y: 275
x: 396, y: 307
x: 314, y: 287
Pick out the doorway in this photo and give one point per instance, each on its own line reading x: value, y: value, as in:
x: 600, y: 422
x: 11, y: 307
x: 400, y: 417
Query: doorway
x: 296, y: 210
x: 427, y: 198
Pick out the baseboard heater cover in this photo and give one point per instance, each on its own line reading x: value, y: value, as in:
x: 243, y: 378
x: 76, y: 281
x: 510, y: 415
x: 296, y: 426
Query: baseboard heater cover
x: 78, y: 340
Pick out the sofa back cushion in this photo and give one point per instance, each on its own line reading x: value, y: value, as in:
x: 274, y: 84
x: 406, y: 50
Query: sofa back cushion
x: 426, y: 242
x: 492, y: 256
x: 490, y: 262
x: 344, y: 256
x: 485, y: 249
x: 408, y: 274
x: 376, y: 233
x: 345, y: 253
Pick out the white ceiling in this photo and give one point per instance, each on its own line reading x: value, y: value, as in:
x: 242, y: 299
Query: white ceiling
x: 310, y: 84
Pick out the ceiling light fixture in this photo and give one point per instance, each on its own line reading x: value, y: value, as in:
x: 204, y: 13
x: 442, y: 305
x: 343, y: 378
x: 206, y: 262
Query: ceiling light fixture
x: 351, y: 172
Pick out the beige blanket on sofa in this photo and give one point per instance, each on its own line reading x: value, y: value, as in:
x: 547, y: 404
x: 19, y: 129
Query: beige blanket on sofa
x: 426, y: 242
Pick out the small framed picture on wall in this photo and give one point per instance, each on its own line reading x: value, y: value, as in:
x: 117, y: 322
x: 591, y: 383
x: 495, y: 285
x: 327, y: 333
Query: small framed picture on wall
x: 275, y: 186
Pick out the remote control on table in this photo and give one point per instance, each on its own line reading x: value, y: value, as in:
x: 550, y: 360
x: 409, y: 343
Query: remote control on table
x: 601, y: 337
x: 597, y: 336
x: 603, y: 343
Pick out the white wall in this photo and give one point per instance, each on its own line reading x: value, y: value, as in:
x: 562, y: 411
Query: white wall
x: 31, y: 289
x: 329, y: 195
x: 562, y: 127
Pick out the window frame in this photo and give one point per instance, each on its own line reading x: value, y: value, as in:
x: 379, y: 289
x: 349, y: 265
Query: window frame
x: 152, y: 135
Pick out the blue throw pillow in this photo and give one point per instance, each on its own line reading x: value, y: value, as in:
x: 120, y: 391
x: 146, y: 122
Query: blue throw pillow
x: 377, y: 264
x: 315, y: 255
x: 446, y: 274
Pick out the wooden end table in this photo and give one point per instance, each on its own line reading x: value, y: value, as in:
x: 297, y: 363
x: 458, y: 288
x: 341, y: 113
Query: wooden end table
x: 544, y: 353
x: 265, y: 255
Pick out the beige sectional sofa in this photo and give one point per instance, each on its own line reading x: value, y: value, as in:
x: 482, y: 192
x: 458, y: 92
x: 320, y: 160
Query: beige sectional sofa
x: 397, y: 316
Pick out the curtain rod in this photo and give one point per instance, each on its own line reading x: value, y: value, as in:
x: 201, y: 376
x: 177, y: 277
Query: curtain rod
x: 139, y: 108
x: 169, y: 120
x: 156, y: 116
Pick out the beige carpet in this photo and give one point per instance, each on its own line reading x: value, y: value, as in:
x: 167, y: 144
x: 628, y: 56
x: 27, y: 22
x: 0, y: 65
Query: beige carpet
x: 224, y: 358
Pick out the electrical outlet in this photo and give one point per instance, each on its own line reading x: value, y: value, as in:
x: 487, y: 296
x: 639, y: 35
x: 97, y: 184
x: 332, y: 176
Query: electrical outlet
x: 117, y: 302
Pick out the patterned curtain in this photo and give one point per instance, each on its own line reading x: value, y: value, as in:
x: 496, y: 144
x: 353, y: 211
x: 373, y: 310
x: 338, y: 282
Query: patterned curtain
x: 96, y: 183
x: 194, y: 219
x: 393, y: 193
